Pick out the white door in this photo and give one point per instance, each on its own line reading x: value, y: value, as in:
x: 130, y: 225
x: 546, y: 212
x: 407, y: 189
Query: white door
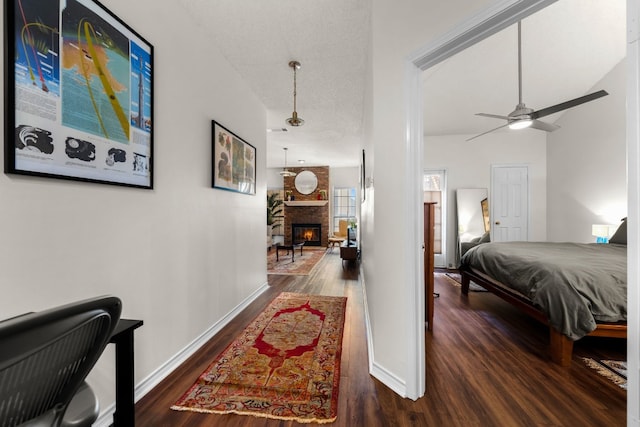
x: 509, y: 207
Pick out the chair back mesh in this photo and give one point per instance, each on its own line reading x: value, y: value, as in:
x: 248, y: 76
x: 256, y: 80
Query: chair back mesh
x: 45, y: 357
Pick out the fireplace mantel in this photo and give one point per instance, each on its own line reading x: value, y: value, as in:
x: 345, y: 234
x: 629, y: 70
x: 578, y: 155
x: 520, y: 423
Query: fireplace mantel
x: 305, y: 202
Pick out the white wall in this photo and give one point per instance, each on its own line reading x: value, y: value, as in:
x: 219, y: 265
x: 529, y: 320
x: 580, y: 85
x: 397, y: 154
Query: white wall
x: 180, y: 256
x: 587, y: 164
x: 468, y: 165
x: 398, y: 29
x: 345, y: 177
x: 274, y: 179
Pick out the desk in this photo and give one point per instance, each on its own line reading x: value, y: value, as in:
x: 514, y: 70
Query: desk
x: 122, y: 337
x: 289, y: 248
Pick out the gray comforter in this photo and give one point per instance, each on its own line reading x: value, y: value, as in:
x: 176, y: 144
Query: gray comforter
x: 574, y: 284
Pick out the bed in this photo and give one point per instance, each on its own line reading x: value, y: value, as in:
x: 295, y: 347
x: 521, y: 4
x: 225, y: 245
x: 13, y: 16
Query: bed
x: 576, y: 289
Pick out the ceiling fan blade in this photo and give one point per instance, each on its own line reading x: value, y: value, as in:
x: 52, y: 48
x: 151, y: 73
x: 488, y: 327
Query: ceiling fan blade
x: 568, y: 104
x: 489, y: 131
x: 540, y: 125
x: 493, y: 116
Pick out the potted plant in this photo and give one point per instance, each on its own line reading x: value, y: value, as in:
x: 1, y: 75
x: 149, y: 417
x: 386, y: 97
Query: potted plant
x: 274, y: 212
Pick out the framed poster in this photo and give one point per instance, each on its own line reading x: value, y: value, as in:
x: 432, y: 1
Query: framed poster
x: 234, y: 161
x: 79, y: 94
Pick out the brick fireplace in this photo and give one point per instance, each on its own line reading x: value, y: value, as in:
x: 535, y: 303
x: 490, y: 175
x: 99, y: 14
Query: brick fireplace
x: 308, y: 209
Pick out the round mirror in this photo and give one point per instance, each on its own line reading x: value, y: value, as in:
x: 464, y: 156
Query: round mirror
x: 306, y: 182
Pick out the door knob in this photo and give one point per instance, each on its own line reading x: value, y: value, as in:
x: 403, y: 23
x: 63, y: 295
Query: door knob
x: 497, y: 222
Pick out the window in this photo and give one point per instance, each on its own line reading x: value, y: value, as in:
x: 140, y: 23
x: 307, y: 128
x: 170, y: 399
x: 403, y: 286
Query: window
x: 344, y: 205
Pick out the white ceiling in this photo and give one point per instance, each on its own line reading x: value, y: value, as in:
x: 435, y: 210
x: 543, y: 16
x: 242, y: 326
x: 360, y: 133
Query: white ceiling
x: 567, y: 48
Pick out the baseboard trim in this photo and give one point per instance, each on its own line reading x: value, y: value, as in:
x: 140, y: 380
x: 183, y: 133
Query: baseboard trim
x: 389, y: 379
x: 367, y: 320
x: 376, y: 370
x: 146, y: 385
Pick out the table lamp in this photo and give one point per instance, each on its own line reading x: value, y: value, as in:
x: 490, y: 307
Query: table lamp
x: 601, y: 232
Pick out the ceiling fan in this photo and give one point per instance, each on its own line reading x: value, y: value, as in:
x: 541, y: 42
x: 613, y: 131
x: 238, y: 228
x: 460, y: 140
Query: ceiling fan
x: 523, y: 117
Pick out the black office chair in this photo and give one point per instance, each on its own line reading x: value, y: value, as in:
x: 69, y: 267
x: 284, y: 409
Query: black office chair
x: 44, y: 359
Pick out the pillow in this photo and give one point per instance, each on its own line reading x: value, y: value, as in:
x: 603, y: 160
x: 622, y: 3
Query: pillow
x: 620, y: 236
x: 486, y: 237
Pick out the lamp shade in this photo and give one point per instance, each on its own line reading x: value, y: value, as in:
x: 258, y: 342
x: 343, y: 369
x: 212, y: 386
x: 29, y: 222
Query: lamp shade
x: 600, y: 230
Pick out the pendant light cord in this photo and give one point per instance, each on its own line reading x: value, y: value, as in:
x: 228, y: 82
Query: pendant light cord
x: 294, y: 87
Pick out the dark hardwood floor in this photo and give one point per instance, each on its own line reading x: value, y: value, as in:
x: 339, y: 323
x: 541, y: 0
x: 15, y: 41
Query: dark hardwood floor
x: 486, y: 366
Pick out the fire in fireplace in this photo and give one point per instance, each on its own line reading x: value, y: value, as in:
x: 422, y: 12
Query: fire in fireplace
x: 309, y: 233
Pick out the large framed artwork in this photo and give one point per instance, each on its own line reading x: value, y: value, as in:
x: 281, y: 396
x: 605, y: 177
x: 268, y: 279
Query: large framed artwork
x: 78, y: 94
x: 234, y: 161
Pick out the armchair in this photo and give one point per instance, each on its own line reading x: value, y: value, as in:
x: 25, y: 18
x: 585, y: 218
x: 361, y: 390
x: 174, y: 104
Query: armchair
x: 44, y: 359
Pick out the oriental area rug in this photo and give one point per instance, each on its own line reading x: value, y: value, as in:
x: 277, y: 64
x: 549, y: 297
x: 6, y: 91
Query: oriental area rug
x: 285, y: 365
x: 613, y: 370
x: 300, y: 264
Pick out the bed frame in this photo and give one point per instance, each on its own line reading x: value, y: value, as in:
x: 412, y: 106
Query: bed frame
x: 561, y: 347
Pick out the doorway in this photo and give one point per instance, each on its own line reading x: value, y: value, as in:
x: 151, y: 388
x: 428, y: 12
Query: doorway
x: 479, y: 27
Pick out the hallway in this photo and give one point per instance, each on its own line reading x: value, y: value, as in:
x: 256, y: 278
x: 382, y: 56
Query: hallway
x: 486, y: 366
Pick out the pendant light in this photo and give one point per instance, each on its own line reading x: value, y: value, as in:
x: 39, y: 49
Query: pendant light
x: 294, y: 120
x: 286, y: 172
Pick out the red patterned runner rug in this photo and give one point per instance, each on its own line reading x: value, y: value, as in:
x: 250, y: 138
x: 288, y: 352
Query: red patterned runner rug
x: 284, y: 365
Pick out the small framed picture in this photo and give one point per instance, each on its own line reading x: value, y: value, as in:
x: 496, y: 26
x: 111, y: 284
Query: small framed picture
x: 234, y: 161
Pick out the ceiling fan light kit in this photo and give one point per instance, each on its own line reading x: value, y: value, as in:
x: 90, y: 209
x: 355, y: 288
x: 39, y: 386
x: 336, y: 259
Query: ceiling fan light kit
x: 294, y: 120
x: 523, y: 117
x: 520, y: 124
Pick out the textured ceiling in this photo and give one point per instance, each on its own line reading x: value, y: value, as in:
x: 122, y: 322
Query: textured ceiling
x: 567, y: 48
x: 329, y: 38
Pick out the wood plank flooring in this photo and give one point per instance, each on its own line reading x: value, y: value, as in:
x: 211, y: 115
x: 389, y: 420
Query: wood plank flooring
x: 486, y: 366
